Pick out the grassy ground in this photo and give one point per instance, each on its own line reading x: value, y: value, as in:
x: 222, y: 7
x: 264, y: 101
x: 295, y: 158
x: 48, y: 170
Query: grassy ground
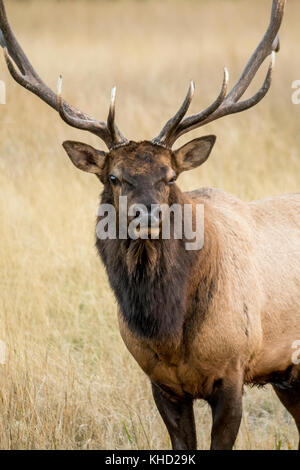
x: 69, y: 381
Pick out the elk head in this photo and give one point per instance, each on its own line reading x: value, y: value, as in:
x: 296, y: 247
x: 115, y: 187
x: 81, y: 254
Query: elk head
x: 145, y: 172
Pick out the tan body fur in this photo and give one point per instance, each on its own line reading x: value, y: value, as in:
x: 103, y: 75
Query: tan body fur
x: 199, y: 324
x: 254, y: 317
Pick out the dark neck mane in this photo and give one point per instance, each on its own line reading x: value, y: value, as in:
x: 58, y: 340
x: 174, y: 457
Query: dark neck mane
x: 150, y: 281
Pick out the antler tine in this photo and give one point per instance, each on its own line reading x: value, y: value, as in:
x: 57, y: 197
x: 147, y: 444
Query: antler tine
x: 230, y: 104
x: 168, y: 129
x: 69, y: 118
x: 9, y: 41
x: 25, y: 75
x: 118, y: 138
x: 2, y: 40
x: 196, y: 119
x: 112, y: 111
x: 269, y: 43
x: 247, y: 104
x: 223, y: 110
x: 169, y: 132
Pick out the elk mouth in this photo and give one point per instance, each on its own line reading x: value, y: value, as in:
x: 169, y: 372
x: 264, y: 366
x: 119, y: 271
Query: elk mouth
x: 149, y: 223
x: 148, y: 232
x: 148, y: 228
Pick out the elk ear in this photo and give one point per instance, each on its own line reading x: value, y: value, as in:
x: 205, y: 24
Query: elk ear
x: 85, y: 157
x: 194, y: 153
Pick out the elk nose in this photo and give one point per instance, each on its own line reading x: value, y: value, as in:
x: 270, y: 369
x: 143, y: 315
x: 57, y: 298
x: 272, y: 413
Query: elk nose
x: 150, y: 216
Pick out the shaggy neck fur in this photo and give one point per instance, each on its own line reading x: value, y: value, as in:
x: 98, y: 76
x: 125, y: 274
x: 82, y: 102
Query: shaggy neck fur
x: 150, y: 280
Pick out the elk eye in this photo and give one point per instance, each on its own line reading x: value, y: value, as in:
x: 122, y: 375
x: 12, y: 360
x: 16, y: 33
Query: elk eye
x: 114, y: 180
x: 172, y: 181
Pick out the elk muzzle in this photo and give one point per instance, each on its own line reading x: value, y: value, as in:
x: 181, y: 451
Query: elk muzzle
x: 145, y: 219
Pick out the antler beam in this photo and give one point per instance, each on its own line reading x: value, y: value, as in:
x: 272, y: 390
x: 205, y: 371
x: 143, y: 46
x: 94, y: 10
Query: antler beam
x: 230, y: 103
x: 23, y: 73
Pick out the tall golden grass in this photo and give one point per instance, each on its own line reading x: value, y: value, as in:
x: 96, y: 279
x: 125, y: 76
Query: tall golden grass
x: 69, y: 382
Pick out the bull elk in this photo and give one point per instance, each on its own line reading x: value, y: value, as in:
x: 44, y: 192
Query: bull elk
x: 201, y: 324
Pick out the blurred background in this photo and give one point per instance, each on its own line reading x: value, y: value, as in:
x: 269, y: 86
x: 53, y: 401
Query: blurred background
x: 68, y: 381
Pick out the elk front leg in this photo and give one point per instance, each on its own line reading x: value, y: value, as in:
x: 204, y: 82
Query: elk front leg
x: 179, y: 419
x: 226, y: 405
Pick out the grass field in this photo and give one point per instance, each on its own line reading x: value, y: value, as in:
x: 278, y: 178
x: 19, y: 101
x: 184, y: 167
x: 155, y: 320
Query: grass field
x: 69, y: 382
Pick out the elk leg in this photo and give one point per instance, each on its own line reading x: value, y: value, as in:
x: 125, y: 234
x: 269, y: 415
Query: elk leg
x: 290, y: 398
x: 178, y: 416
x: 226, y: 405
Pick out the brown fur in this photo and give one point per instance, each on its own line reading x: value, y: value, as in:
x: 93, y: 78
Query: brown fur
x: 203, y: 323
x: 200, y: 324
x: 259, y: 337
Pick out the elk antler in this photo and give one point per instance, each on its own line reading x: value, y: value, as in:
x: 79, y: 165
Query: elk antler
x: 229, y: 103
x: 25, y: 75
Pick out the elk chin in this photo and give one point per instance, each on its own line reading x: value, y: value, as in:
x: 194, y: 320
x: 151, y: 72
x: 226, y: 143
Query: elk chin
x: 146, y: 233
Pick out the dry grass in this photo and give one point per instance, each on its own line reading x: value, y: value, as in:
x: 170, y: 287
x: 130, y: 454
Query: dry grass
x: 69, y: 381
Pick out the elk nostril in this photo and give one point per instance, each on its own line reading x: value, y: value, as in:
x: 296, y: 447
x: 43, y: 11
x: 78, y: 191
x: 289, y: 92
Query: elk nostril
x: 148, y: 215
